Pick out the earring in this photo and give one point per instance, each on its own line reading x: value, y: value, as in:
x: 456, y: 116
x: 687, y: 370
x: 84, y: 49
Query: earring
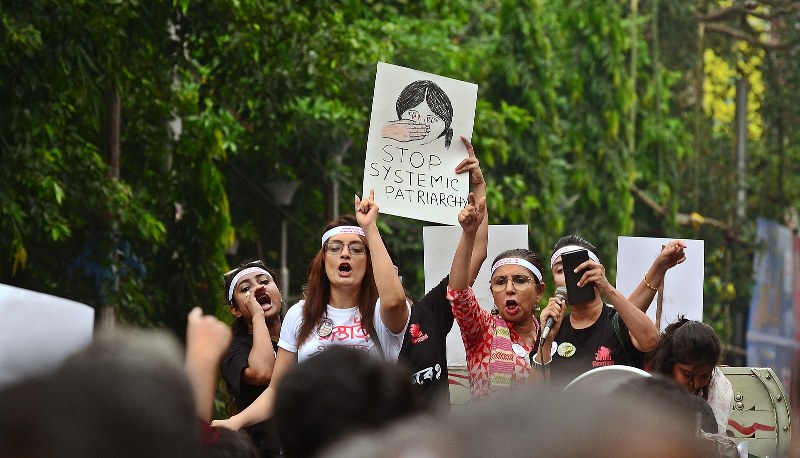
x: 495, y: 311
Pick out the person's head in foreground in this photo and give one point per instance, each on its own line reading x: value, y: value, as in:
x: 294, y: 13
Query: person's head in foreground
x: 339, y: 392
x: 126, y: 394
x: 537, y: 423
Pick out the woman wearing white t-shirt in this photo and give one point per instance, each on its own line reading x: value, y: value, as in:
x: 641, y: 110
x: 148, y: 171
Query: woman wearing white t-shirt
x: 347, y: 276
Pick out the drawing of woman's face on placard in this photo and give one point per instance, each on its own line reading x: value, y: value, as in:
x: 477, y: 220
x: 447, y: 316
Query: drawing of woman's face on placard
x: 424, y: 114
x: 411, y: 157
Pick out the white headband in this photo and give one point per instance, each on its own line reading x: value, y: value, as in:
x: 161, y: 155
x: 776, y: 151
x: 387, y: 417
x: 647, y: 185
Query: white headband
x: 241, y: 274
x: 564, y: 249
x: 342, y: 230
x: 519, y: 262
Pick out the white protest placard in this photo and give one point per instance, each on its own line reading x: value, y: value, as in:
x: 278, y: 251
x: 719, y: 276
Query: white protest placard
x: 414, y: 143
x: 38, y: 332
x: 683, y: 284
x: 440, y: 245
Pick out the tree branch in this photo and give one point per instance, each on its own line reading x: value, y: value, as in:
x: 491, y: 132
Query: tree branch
x: 719, y: 15
x: 692, y: 219
x: 783, y: 11
x: 240, y: 119
x: 473, y: 21
x: 736, y: 33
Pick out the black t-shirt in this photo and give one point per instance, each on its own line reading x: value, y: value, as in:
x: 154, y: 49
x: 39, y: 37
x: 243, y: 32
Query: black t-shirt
x: 592, y: 347
x: 424, y: 349
x: 232, y: 366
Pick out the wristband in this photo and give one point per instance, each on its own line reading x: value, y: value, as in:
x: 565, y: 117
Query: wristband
x: 537, y: 365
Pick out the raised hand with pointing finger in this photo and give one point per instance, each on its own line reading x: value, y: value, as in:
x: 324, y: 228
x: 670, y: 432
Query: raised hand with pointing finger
x: 366, y: 210
x: 471, y: 164
x: 471, y: 216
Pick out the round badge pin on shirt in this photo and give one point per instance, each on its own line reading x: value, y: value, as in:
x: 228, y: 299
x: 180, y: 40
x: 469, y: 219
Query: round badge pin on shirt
x: 566, y: 349
x: 325, y: 328
x: 519, y: 350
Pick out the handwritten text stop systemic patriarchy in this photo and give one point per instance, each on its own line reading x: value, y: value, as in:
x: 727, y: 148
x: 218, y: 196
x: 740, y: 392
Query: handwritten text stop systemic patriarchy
x: 412, y: 176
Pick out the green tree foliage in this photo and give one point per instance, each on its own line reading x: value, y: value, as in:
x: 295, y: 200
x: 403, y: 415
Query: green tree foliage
x: 577, y: 133
x: 72, y: 228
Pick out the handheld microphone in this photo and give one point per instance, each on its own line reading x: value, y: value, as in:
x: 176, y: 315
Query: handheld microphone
x: 561, y: 293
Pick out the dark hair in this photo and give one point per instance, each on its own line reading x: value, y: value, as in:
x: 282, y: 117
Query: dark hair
x: 686, y: 342
x: 540, y: 415
x: 231, y: 444
x: 577, y: 240
x: 526, y: 254
x: 142, y: 405
x: 318, y: 292
x: 666, y: 393
x: 438, y: 101
x: 239, y: 326
x: 336, y: 393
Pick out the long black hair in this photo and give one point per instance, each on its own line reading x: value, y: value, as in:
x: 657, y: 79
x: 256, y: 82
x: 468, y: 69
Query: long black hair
x: 686, y: 342
x: 438, y: 101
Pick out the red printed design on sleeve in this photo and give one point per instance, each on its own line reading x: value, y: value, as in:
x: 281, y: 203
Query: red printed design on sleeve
x: 477, y: 332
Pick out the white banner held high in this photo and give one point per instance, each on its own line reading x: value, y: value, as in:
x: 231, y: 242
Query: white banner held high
x: 683, y: 284
x: 414, y: 143
x: 38, y: 332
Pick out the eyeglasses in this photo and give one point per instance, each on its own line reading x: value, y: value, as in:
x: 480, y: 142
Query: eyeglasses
x: 519, y: 281
x: 355, y: 248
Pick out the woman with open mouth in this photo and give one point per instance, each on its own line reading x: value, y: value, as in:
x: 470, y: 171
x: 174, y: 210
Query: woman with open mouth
x: 346, y: 277
x: 253, y: 297
x: 497, y: 343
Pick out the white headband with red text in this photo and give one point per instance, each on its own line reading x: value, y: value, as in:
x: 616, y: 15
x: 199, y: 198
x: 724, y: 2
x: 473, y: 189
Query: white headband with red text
x: 519, y: 262
x: 342, y: 230
x: 564, y: 249
x: 241, y: 274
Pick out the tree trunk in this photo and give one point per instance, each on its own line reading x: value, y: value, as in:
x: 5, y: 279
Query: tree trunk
x: 111, y: 130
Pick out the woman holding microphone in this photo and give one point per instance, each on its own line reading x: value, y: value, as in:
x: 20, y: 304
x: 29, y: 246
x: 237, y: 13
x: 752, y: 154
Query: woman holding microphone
x: 593, y: 334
